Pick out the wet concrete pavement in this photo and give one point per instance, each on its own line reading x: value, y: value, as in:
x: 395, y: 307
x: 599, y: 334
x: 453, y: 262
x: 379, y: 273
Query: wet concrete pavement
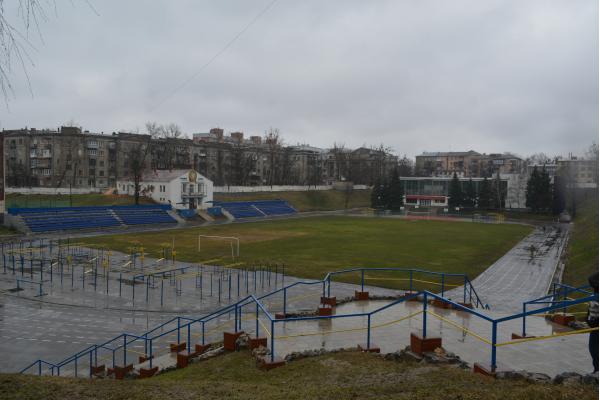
x: 523, y: 273
x: 36, y: 327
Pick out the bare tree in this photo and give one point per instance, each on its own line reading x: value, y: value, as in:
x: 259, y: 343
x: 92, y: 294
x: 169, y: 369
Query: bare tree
x: 13, y: 40
x: 538, y: 159
x: 406, y: 166
x: 341, y: 160
x: 167, y: 150
x: 154, y: 129
x: 241, y: 165
x: 274, y: 143
x: 136, y: 161
x: 379, y: 165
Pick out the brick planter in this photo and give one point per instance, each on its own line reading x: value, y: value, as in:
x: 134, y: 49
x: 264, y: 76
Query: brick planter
x: 201, y: 348
x: 420, y: 345
x: 325, y: 310
x: 361, y: 295
x: 229, y: 339
x: 183, y: 358
x: 441, y: 304
x: 148, y: 372
x: 332, y: 301
x: 98, y: 369
x: 563, y: 319
x: 257, y: 342
x: 480, y: 369
x: 120, y: 372
x: 177, y: 347
x: 516, y: 336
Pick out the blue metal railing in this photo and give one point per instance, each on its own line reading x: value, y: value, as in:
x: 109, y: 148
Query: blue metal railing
x: 559, y: 294
x: 151, y: 336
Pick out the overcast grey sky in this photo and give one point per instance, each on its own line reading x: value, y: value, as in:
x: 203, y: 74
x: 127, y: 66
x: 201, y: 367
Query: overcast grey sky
x: 421, y: 75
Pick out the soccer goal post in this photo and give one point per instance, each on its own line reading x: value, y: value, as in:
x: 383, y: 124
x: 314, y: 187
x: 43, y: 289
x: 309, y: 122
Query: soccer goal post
x: 234, y: 243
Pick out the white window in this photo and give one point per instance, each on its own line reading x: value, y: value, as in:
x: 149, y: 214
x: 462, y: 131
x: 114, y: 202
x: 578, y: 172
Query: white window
x: 46, y: 171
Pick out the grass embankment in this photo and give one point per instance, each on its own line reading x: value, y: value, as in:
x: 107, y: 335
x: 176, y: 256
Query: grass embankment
x: 64, y: 200
x: 582, y: 253
x: 311, y: 200
x: 310, y: 247
x: 5, y: 231
x: 334, y: 376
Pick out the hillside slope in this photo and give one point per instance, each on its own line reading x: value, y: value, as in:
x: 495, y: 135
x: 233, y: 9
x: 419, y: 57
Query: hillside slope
x: 349, y: 375
x: 311, y: 200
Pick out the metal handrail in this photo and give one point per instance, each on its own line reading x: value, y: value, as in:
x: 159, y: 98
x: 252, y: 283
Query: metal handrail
x: 237, y: 306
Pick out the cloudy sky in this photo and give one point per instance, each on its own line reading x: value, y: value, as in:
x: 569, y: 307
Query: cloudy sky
x: 420, y: 75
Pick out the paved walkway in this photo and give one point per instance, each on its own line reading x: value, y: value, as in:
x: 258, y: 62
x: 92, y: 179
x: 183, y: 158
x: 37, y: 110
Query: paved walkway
x: 31, y: 329
x: 522, y: 274
x: 552, y: 356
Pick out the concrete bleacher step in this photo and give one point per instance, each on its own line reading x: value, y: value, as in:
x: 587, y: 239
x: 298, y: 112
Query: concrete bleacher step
x: 205, y: 216
x: 20, y: 225
x: 115, y: 216
x: 176, y: 217
x: 259, y: 210
x: 227, y: 214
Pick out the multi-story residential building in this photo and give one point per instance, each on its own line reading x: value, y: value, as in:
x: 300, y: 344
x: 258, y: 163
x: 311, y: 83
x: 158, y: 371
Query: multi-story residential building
x: 468, y: 164
x: 579, y: 173
x: 505, y: 163
x: 463, y: 163
x: 68, y: 157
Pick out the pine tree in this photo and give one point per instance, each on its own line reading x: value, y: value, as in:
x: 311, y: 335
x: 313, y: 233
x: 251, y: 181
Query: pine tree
x: 470, y: 195
x: 558, y: 195
x: 455, y: 193
x: 532, y: 189
x: 539, y: 191
x: 378, y: 196
x: 485, y: 194
x: 545, y: 191
x: 394, y: 194
x: 498, y: 194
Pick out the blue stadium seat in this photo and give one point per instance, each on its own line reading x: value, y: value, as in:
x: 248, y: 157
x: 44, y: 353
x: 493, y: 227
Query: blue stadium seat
x: 69, y: 218
x: 259, y: 208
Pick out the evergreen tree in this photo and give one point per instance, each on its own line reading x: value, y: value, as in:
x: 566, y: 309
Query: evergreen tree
x: 545, y: 191
x: 470, y: 195
x: 558, y: 195
x: 455, y: 193
x: 539, y: 191
x: 498, y: 193
x: 378, y: 196
x: 531, y: 190
x: 485, y: 193
x: 394, y: 197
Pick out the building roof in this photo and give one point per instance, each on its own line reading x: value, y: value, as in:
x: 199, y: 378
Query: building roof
x: 164, y: 175
x: 449, y: 153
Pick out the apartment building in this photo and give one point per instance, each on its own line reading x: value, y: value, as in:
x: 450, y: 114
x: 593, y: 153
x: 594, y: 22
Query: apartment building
x: 69, y: 157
